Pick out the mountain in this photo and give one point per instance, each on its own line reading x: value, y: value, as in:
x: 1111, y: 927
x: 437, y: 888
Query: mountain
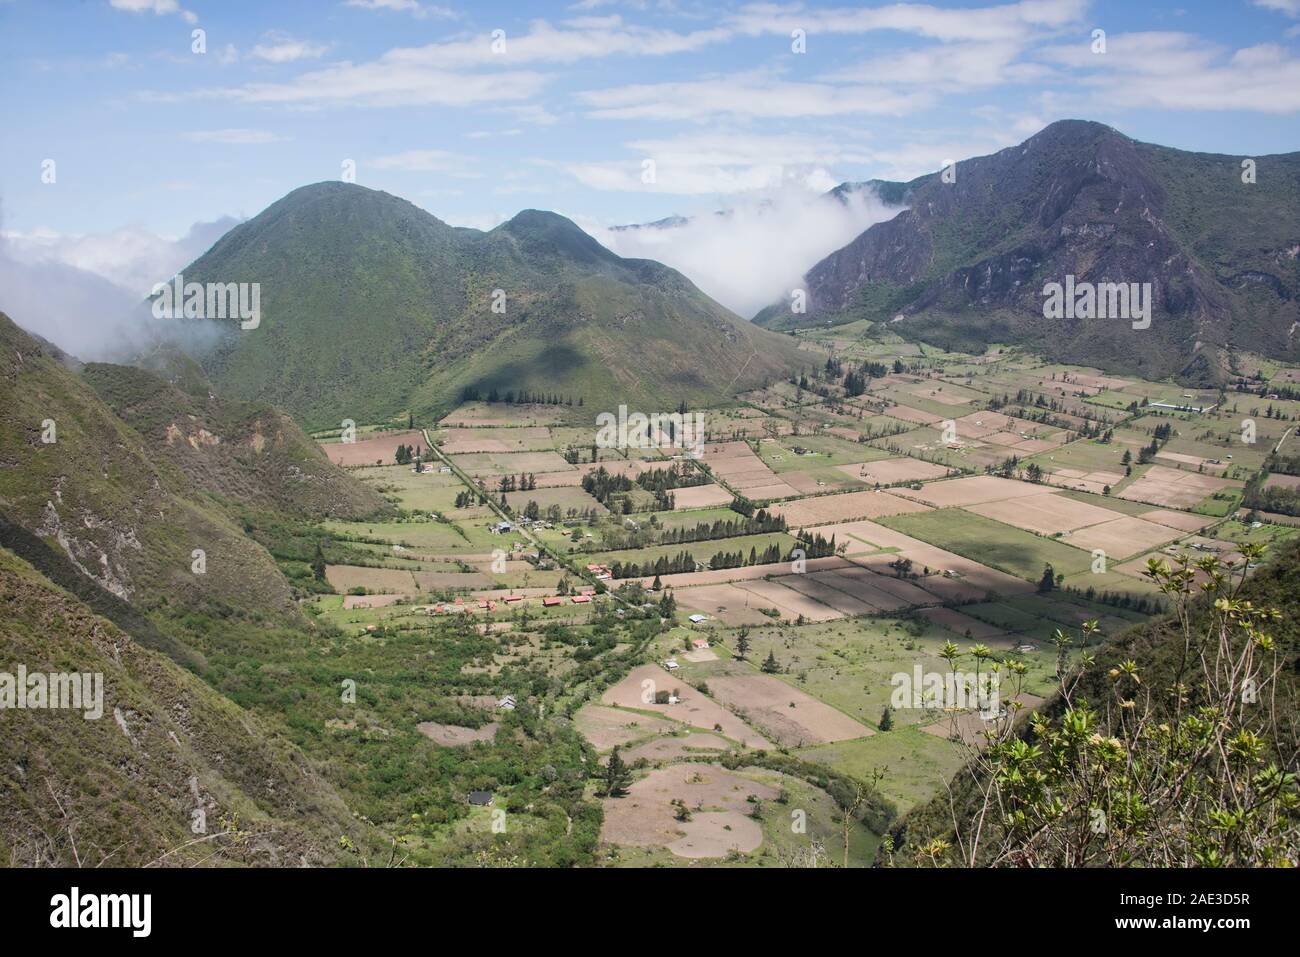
x: 100, y: 514
x: 165, y: 747
x: 120, y: 515
x: 370, y: 306
x: 966, y: 263
x: 248, y: 454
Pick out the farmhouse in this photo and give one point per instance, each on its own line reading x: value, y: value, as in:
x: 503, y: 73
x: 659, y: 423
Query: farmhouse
x: 551, y: 602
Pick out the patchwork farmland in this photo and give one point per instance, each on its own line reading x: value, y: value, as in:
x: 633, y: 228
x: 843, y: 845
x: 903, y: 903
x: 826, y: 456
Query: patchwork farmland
x: 732, y: 625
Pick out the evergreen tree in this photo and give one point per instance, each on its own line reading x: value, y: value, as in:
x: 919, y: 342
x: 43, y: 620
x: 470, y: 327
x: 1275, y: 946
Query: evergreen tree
x: 887, y: 719
x: 617, y: 775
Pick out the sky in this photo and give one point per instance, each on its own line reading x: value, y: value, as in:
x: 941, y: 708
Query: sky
x: 137, y: 131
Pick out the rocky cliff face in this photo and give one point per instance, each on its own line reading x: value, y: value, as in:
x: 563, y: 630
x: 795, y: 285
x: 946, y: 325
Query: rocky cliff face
x: 967, y: 262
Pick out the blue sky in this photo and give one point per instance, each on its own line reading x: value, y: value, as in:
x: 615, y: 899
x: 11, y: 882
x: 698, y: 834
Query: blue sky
x: 150, y: 138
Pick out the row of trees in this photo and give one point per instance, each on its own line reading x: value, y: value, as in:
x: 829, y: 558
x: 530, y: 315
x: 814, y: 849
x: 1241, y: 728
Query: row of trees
x: 684, y: 561
x: 520, y: 397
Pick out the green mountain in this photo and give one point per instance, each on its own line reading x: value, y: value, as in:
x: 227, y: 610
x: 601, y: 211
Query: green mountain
x: 122, y: 514
x: 370, y: 306
x: 219, y: 693
x: 170, y: 773
x: 250, y: 455
x: 966, y: 263
x: 100, y: 515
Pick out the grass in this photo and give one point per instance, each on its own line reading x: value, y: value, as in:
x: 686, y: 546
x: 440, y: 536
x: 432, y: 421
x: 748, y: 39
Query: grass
x: 999, y: 546
x: 917, y: 764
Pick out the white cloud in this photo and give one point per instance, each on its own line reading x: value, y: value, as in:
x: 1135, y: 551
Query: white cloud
x: 951, y: 67
x: 1180, y: 71
x: 233, y: 137
x: 747, y: 95
x: 429, y: 161
x: 282, y: 48
x: 84, y: 292
x: 130, y: 258
x: 756, y: 252
x: 1290, y: 7
x: 1001, y: 22
x: 419, y: 10
x: 381, y: 83
x: 158, y: 7
x: 721, y: 163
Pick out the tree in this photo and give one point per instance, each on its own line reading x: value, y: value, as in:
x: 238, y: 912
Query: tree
x: 667, y: 605
x: 318, y: 564
x: 617, y: 775
x: 1048, y: 581
x: 770, y: 665
x: 887, y: 719
x: 850, y: 795
x: 742, y: 642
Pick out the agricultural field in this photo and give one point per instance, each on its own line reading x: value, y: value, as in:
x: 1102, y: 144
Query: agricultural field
x: 750, y: 688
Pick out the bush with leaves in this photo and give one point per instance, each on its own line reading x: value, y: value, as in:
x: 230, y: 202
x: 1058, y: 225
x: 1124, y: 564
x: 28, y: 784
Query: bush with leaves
x: 1186, y: 762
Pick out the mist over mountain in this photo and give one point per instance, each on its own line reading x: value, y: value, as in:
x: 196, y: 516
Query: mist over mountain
x: 755, y: 251
x: 86, y: 293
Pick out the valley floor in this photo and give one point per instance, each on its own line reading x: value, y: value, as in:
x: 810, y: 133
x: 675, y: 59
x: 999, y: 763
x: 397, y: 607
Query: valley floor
x: 736, y: 632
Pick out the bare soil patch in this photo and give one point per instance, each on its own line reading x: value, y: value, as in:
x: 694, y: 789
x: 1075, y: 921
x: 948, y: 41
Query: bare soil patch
x: 606, y: 727
x: 692, y: 707
x: 793, y: 718
x: 456, y: 736
x: 718, y: 802
x: 1123, y: 536
x: 700, y: 496
x: 975, y: 490
x: 825, y: 509
x: 1044, y: 514
x: 380, y: 449
x: 889, y: 471
x: 790, y: 602
x: 1173, y: 488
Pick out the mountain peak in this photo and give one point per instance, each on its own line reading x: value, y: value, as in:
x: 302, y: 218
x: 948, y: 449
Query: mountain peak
x: 966, y: 263
x: 555, y: 234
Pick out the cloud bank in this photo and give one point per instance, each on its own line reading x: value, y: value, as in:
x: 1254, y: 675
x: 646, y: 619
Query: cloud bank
x: 754, y: 253
x: 85, y: 293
